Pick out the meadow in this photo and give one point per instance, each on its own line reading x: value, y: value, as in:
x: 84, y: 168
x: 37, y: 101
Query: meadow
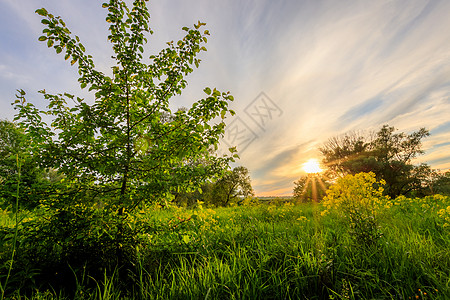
x: 278, y: 250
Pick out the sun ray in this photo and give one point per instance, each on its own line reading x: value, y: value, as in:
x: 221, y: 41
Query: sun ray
x: 314, y: 190
x: 306, y: 186
x: 322, y: 185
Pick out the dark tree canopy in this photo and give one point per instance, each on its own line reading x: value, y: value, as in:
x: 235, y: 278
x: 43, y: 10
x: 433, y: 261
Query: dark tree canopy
x: 386, y: 153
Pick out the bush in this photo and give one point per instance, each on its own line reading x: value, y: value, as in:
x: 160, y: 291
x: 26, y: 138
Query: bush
x: 358, y: 199
x: 58, y: 246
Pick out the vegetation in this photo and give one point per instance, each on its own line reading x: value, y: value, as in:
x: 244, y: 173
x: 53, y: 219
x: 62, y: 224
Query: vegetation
x: 263, y: 251
x: 311, y: 187
x: 89, y: 201
x: 123, y: 146
x: 389, y: 155
x: 231, y: 188
x: 13, y: 150
x: 124, y: 149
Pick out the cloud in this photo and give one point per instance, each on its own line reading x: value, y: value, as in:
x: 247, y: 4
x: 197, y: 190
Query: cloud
x: 330, y: 66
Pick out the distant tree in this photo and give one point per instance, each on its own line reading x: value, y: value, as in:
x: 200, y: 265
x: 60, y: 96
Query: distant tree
x: 310, y: 188
x: 191, y: 199
x: 12, y: 142
x: 439, y: 182
x: 347, y: 153
x: 15, y: 155
x: 233, y: 184
x: 386, y: 153
x: 221, y: 192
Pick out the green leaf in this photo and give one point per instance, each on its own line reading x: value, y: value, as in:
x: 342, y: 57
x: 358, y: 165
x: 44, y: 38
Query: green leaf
x: 186, y: 238
x: 50, y: 43
x: 45, y: 21
x: 42, y: 12
x: 42, y: 38
x: 207, y: 91
x: 223, y: 113
x: 83, y: 85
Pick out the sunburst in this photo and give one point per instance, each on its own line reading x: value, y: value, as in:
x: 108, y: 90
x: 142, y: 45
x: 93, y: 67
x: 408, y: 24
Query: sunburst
x: 314, y: 183
x: 312, y: 166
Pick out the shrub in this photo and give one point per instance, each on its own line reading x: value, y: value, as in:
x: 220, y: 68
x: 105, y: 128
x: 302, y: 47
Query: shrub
x: 358, y: 199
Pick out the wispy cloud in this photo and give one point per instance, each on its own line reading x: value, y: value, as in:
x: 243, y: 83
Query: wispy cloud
x: 330, y: 66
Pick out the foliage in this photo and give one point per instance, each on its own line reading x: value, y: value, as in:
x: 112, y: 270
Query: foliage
x: 389, y: 155
x: 357, y: 199
x: 257, y: 252
x: 123, y: 145
x: 439, y: 182
x: 118, y: 150
x: 438, y: 205
x: 232, y: 185
x: 14, y: 149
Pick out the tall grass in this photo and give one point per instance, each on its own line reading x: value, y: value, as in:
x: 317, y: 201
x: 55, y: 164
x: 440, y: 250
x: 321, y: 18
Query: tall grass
x: 280, y: 252
x: 16, y: 230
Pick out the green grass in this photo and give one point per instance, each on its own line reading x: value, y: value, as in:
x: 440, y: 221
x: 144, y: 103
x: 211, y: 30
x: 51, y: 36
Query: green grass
x: 272, y: 252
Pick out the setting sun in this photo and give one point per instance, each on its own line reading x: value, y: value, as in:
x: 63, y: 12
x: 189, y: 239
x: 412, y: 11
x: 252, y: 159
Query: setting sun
x: 312, y: 166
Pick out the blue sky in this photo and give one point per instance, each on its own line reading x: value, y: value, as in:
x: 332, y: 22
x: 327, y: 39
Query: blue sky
x: 300, y: 71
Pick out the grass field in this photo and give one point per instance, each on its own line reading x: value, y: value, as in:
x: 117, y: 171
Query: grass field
x: 266, y: 251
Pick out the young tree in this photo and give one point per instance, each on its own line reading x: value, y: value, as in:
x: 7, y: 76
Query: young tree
x: 123, y: 145
x: 122, y: 149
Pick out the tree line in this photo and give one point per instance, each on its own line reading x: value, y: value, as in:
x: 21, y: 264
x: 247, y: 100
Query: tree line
x: 387, y: 153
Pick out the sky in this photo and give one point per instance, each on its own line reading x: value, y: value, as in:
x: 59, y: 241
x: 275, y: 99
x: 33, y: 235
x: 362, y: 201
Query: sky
x: 301, y: 71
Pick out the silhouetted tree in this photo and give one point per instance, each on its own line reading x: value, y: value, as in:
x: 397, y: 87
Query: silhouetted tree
x: 386, y: 153
x: 311, y: 187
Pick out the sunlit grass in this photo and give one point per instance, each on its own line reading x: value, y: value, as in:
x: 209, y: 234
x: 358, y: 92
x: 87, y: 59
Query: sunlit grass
x: 281, y: 251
